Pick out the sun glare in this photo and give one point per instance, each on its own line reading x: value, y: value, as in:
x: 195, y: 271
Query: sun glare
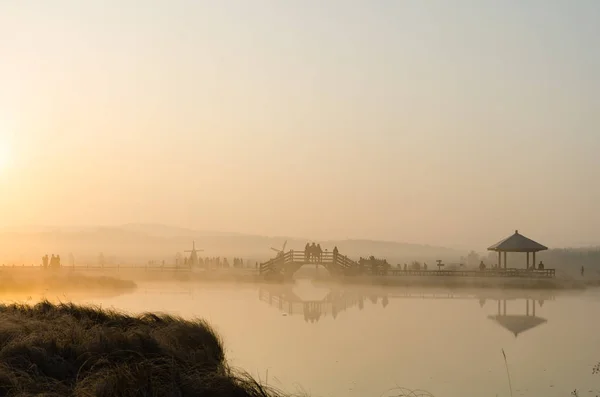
x: 4, y: 154
x: 6, y: 143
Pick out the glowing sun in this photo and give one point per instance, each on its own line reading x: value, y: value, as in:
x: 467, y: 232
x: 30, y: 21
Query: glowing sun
x: 4, y: 154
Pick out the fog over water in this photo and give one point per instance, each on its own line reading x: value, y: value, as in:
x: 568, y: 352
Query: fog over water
x: 334, y: 341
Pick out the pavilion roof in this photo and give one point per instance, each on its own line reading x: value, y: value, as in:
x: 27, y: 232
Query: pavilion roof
x: 517, y: 243
x: 517, y: 324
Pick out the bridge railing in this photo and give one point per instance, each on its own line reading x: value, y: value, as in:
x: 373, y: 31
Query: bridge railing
x: 546, y: 273
x: 300, y: 257
x: 280, y: 260
x: 346, y: 263
x: 303, y: 257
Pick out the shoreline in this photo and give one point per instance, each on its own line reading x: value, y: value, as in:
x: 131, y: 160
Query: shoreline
x: 468, y: 282
x: 250, y: 276
x: 63, y: 282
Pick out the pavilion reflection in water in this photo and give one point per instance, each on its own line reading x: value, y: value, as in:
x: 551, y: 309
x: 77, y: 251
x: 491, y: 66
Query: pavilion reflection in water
x: 336, y: 301
x: 518, y: 323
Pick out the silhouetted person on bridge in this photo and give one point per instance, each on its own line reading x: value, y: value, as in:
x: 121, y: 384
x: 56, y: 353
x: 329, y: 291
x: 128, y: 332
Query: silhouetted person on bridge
x: 361, y: 265
x: 374, y: 265
x: 45, y: 261
x: 313, y: 252
x: 319, y: 252
x: 541, y: 266
x: 307, y: 252
x: 386, y: 267
x: 335, y: 254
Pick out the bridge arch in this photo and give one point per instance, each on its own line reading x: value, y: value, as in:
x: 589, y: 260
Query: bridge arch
x: 286, y: 264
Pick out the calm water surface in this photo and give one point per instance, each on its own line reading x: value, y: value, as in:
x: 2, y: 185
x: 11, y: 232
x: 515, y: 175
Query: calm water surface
x: 365, y: 341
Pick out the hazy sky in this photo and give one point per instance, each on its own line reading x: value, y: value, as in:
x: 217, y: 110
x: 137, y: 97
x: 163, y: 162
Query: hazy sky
x: 442, y: 122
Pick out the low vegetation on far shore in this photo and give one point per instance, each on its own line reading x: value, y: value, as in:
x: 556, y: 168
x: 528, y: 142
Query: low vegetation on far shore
x: 60, y: 350
x: 27, y: 282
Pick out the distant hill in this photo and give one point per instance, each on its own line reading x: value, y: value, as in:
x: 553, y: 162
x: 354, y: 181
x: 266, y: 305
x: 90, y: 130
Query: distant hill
x: 171, y: 231
x: 139, y: 243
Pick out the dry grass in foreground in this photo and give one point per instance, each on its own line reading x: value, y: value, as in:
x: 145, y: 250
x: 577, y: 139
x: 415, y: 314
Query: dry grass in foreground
x: 60, y: 350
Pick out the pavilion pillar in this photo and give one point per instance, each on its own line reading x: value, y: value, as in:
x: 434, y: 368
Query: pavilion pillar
x: 499, y: 260
x: 505, y: 259
x: 533, y: 302
x: 528, y: 260
x: 499, y: 304
x: 504, y: 308
x: 527, y: 307
x: 533, y: 260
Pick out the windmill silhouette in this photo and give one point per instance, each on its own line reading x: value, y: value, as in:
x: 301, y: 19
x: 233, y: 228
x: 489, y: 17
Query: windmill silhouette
x: 281, y: 251
x: 193, y: 261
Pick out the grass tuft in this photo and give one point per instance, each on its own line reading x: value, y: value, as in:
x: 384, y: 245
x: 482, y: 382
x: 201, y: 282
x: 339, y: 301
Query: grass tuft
x: 65, y: 349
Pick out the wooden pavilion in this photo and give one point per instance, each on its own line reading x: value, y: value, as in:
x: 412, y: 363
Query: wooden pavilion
x: 516, y: 243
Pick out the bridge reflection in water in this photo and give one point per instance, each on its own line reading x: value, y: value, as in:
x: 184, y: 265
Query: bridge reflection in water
x: 337, y: 301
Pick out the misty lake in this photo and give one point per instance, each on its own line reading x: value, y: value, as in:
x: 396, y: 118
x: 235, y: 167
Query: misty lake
x: 362, y: 341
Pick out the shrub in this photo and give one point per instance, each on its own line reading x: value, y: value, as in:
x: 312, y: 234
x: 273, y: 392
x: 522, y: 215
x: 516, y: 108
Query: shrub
x: 58, y: 350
